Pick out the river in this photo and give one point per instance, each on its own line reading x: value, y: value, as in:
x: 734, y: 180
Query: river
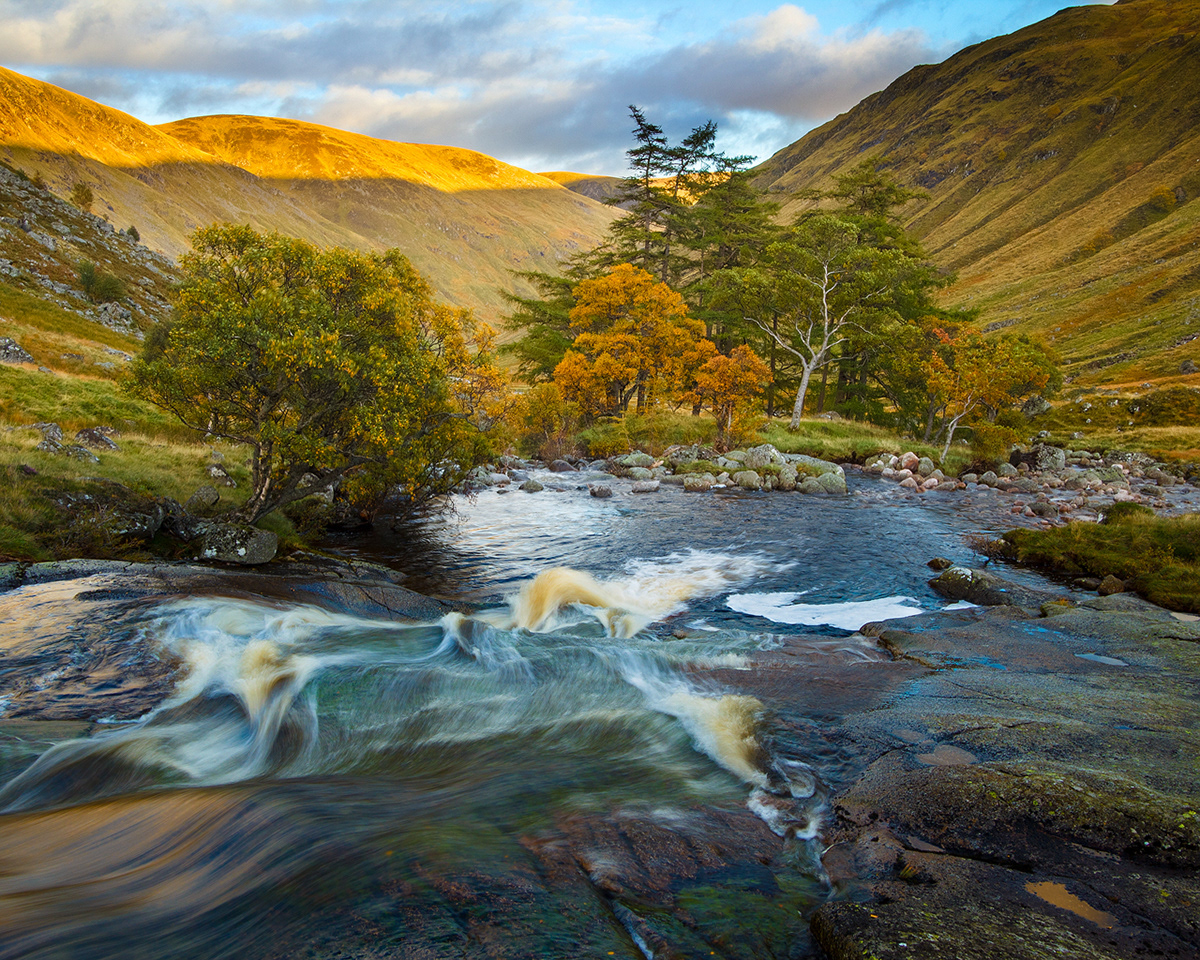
x: 593, y: 761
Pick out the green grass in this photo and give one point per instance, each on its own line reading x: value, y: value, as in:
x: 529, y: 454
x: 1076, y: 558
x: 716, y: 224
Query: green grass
x: 848, y: 441
x: 1159, y: 557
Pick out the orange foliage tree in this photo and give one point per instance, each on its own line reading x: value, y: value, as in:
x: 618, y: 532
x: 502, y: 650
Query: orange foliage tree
x: 726, y: 384
x: 633, y: 337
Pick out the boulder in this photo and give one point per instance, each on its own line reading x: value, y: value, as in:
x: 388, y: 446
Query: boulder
x: 237, y: 543
x: 748, y: 480
x: 645, y: 486
x: 831, y: 483
x: 986, y: 589
x: 762, y: 456
x: 1110, y: 585
x: 1007, y: 470
x: 600, y: 491
x: 204, y: 498
x: 561, y: 466
x: 636, y: 459
x: 698, y: 482
x: 640, y: 473
x: 1035, y: 406
x: 787, y: 477
x: 50, y: 431
x: 1045, y: 457
x: 11, y: 352
x: 909, y: 461
x: 96, y: 438
x: 499, y: 479
x: 925, y: 467
x: 532, y: 486
x: 220, y: 475
x: 989, y: 478
x: 77, y: 452
x: 810, y: 485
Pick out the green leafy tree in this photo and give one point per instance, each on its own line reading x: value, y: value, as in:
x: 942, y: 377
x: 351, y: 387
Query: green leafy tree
x: 325, y: 364
x: 98, y: 285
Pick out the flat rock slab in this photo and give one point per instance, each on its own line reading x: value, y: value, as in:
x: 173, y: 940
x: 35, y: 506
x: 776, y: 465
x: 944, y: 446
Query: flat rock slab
x: 1032, y: 792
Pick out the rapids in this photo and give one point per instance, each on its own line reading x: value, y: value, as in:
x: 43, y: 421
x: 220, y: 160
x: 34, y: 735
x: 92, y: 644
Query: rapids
x: 231, y: 775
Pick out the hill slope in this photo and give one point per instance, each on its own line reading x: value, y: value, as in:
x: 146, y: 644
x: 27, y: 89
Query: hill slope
x: 1062, y: 165
x: 464, y: 219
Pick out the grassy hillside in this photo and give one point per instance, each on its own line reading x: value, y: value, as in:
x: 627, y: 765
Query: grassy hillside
x: 1062, y: 166
x: 465, y: 220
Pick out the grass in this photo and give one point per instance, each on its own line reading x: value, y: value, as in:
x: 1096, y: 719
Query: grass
x: 848, y: 441
x: 1159, y: 557
x: 33, y: 527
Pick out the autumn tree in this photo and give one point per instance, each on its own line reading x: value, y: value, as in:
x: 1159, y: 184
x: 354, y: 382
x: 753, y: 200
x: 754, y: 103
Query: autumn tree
x: 328, y: 365
x: 632, y: 336
x: 974, y: 377
x: 727, y: 385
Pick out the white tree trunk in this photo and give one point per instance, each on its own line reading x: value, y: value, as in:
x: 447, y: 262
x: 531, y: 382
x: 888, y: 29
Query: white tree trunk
x: 798, y: 409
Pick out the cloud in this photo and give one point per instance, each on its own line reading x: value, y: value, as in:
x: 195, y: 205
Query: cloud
x: 541, y: 83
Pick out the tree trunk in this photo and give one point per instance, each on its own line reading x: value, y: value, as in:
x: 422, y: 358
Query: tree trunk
x: 798, y: 409
x: 821, y: 395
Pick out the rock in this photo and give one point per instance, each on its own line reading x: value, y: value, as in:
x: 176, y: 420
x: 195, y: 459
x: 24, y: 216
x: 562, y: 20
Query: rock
x: 561, y: 466
x: 49, y: 445
x: 220, y: 475
x: 1188, y: 366
x: 499, y: 479
x: 645, y: 486
x: 1043, y: 509
x: 11, y: 352
x: 970, y: 478
x: 636, y: 459
x: 237, y: 543
x: 939, y: 563
x: 909, y: 483
x: 989, y: 479
x: 114, y: 509
x: 532, y: 486
x: 986, y: 589
x: 925, y: 467
x: 930, y: 484
x: 1035, y: 406
x: 94, y: 437
x: 50, y: 431
x: 698, y: 482
x: 640, y: 473
x: 77, y: 452
x: 599, y: 490
x: 762, y: 456
x: 810, y: 485
x: 909, y: 461
x: 787, y: 477
x: 748, y: 480
x: 204, y: 498
x: 1007, y: 470
x: 831, y: 483
x: 1047, y: 458
x: 1110, y: 585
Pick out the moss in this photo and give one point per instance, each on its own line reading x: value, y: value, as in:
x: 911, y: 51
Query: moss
x: 698, y: 466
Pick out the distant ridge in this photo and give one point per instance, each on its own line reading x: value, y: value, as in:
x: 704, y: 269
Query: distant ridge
x: 1062, y: 164
x: 464, y: 219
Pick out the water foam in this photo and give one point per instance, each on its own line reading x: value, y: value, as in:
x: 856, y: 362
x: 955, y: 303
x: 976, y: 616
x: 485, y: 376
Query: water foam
x: 850, y: 615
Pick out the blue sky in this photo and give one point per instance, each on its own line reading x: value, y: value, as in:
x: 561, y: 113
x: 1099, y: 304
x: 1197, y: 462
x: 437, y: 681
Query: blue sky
x: 544, y: 84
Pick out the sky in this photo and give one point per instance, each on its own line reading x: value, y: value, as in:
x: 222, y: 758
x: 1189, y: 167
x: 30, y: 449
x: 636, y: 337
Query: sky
x: 543, y: 84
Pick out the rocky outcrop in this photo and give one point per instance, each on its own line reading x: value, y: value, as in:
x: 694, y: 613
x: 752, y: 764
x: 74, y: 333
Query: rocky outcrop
x: 11, y: 352
x: 237, y: 543
x: 986, y: 589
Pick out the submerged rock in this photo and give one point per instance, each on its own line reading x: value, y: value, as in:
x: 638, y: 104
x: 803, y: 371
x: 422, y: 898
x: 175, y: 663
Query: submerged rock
x: 985, y: 589
x: 600, y: 491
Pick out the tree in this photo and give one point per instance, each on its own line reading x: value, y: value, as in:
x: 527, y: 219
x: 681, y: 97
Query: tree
x: 82, y: 196
x: 819, y: 286
x: 325, y: 364
x: 972, y: 376
x: 726, y: 384
x: 632, y: 334
x: 99, y: 286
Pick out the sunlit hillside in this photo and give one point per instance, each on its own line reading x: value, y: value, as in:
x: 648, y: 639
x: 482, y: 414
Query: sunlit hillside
x: 464, y: 219
x: 1062, y: 166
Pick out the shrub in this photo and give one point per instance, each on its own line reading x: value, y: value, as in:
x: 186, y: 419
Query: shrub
x: 543, y: 423
x: 991, y: 442
x: 99, y: 286
x: 82, y: 196
x: 133, y: 234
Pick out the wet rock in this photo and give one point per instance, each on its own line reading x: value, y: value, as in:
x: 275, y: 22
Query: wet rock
x: 831, y: 483
x: 1110, y: 585
x: 600, y: 491
x: 640, y: 473
x: 698, y: 482
x: 939, y: 563
x: 1007, y: 470
x: 985, y: 589
x: 11, y: 352
x: 909, y: 461
x: 532, y: 486
x: 645, y: 486
x: 561, y: 466
x: 989, y: 478
x: 636, y: 459
x: 237, y: 543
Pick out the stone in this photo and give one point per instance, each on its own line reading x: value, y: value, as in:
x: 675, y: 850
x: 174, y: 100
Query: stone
x: 220, y: 475
x: 986, y: 589
x: 561, y: 466
x: 810, y: 485
x: 499, y: 479
x: 11, y: 352
x: 1043, y: 509
x: 1007, y: 470
x: 1188, y: 366
x: 600, y: 491
x: 636, y: 459
x: 925, y: 467
x: 989, y: 478
x: 50, y: 431
x: 77, y: 452
x: 787, y: 477
x: 1035, y: 406
x: 762, y: 456
x: 237, y: 543
x: 1110, y: 585
x: 909, y: 483
x: 909, y: 461
x: 1046, y: 457
x: 748, y: 480
x: 831, y: 483
x: 698, y: 482
x: 640, y: 473
x: 939, y: 563
x: 204, y: 498
x: 532, y: 486
x: 49, y: 445
x: 95, y: 438
x: 645, y: 486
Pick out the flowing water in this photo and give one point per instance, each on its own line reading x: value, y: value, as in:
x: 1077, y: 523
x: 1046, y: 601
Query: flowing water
x: 572, y: 769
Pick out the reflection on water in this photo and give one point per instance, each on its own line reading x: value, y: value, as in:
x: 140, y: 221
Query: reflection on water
x: 561, y: 766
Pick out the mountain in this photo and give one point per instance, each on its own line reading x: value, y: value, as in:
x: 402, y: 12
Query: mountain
x: 1062, y: 166
x: 464, y: 219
